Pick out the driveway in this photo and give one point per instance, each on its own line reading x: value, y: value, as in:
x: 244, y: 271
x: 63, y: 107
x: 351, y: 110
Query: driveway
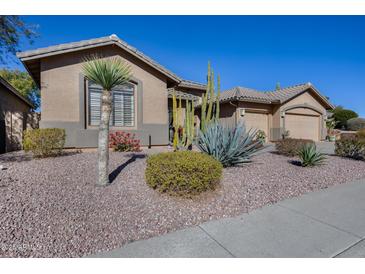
x: 327, y: 223
x: 326, y: 147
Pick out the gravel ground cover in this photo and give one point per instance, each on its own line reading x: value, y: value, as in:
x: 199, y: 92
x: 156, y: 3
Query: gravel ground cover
x: 52, y: 208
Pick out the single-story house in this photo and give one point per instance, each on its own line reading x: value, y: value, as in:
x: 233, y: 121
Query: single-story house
x: 70, y: 101
x: 144, y: 107
x: 14, y: 111
x: 299, y: 110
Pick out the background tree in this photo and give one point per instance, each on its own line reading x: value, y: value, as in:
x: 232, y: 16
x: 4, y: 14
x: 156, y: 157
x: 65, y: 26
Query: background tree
x: 341, y: 116
x: 108, y: 73
x: 24, y: 84
x: 12, y: 29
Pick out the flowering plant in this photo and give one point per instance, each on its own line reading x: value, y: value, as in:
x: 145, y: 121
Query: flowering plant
x: 123, y: 141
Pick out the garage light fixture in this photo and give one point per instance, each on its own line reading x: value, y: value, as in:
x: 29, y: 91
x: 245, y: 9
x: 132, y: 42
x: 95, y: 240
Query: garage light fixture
x: 242, y: 112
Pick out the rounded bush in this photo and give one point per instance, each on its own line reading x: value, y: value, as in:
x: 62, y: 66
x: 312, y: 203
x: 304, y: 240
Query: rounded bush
x: 183, y: 172
x: 350, y: 148
x: 44, y: 142
x: 290, y: 146
x: 356, y: 123
x: 361, y: 134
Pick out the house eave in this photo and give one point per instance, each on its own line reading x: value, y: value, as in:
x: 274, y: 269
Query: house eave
x: 36, y: 54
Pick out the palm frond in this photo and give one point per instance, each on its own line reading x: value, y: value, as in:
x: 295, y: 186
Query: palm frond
x: 106, y: 72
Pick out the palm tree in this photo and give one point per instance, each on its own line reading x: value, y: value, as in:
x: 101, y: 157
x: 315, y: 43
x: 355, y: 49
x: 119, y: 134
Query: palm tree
x: 108, y: 73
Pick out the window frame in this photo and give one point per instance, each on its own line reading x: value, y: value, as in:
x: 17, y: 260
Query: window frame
x: 133, y: 85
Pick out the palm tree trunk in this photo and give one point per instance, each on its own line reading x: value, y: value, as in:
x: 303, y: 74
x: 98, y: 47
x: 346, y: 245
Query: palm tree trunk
x: 103, y: 145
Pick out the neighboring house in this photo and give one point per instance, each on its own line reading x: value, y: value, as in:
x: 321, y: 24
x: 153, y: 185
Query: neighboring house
x: 14, y: 111
x: 70, y: 101
x: 299, y: 109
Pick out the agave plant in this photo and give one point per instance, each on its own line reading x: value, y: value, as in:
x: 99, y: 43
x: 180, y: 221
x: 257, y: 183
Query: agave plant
x: 229, y: 145
x: 309, y: 156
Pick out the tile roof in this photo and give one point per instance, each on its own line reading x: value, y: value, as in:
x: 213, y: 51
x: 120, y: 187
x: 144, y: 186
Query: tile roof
x: 269, y: 97
x: 103, y: 41
x: 192, y: 84
x: 183, y: 95
x: 91, y: 43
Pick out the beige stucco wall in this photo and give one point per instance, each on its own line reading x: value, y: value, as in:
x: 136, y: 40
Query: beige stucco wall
x: 309, y: 99
x: 228, y: 114
x: 231, y: 114
x: 14, y: 111
x: 64, y: 98
x: 60, y: 85
x: 305, y: 98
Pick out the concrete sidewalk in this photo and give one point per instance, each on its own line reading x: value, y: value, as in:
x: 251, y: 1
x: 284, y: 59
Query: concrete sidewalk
x: 326, y: 223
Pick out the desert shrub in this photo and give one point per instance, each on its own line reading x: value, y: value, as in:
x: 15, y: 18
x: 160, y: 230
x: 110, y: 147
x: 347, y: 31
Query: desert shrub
x: 348, y: 135
x: 309, y: 156
x: 44, y: 142
x: 229, y: 145
x: 342, y: 115
x: 356, y: 124
x: 351, y: 148
x: 290, y: 146
x: 122, y: 141
x: 183, y: 172
x: 360, y: 134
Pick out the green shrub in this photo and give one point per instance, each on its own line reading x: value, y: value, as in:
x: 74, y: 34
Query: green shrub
x: 360, y: 134
x: 290, y: 146
x: 309, y: 156
x: 351, y: 148
x: 341, y: 116
x: 44, y: 142
x: 356, y: 124
x: 348, y: 135
x: 229, y: 145
x: 183, y: 172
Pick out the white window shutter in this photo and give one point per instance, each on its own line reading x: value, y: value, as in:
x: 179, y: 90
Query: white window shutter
x: 122, y: 108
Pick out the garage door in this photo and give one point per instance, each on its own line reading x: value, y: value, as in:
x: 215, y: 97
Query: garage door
x: 302, y: 126
x: 258, y: 121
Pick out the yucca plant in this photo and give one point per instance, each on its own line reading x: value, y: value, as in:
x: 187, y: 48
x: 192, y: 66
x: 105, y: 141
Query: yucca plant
x: 229, y: 145
x: 309, y: 156
x: 108, y: 73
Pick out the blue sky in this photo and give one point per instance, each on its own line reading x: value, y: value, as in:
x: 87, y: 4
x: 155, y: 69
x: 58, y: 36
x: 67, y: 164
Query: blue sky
x: 249, y: 51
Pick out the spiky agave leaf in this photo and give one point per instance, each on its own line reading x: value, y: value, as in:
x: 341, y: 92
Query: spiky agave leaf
x: 309, y: 156
x: 106, y: 72
x: 229, y: 145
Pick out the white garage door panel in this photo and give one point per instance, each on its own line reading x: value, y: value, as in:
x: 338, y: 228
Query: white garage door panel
x: 302, y: 126
x: 258, y: 121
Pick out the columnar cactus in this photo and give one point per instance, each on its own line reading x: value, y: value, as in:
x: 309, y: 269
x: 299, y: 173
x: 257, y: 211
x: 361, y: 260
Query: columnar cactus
x: 217, y: 108
x: 209, y: 112
x: 183, y: 139
x: 211, y: 100
x: 175, y: 118
x: 189, y: 129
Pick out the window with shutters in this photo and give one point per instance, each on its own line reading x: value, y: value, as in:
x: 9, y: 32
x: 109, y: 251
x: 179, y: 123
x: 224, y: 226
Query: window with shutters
x: 122, y: 106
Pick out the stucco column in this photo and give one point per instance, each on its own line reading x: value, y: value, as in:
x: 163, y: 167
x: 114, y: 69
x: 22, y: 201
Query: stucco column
x: 240, y: 115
